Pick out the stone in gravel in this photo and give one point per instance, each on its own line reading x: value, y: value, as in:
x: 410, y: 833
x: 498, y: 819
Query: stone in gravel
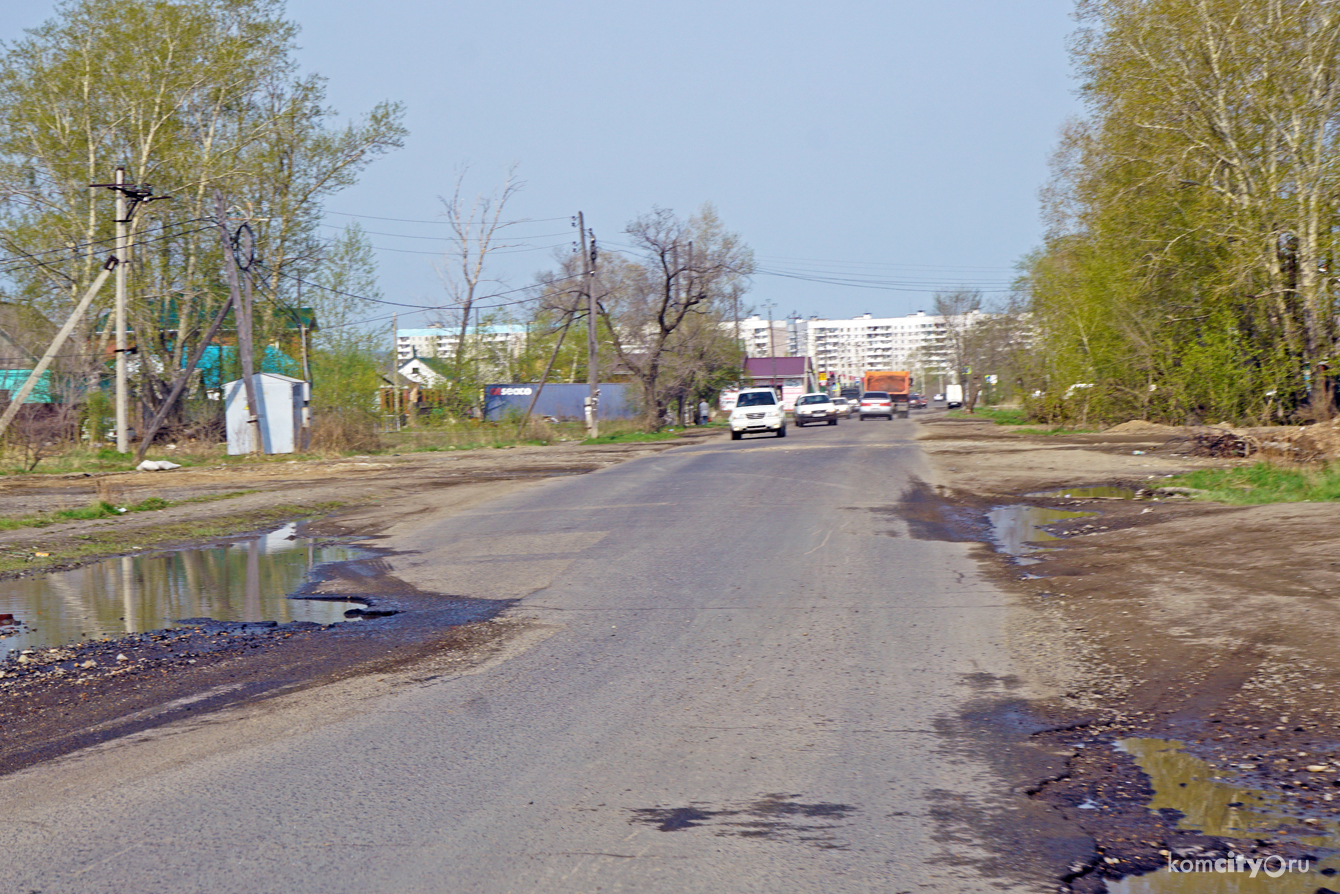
x: 121, y: 657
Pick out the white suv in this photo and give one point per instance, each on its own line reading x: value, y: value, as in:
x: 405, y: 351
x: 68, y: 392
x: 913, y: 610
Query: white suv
x: 757, y: 410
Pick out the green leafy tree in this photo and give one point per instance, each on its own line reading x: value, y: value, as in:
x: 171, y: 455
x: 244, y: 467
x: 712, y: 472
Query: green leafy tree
x: 1188, y: 267
x: 192, y: 96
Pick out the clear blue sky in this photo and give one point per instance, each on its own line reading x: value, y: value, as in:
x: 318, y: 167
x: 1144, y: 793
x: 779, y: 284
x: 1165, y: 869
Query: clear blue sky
x: 891, y: 143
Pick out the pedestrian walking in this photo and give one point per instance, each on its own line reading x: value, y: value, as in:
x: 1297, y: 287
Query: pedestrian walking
x: 704, y: 412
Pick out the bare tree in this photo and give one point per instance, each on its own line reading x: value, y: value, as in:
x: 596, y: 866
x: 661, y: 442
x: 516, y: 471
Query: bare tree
x: 688, y: 269
x: 979, y: 343
x: 476, y: 227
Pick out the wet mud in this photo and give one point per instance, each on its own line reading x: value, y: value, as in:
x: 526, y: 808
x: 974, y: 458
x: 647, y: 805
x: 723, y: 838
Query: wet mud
x: 54, y: 701
x: 1162, y: 754
x: 774, y: 816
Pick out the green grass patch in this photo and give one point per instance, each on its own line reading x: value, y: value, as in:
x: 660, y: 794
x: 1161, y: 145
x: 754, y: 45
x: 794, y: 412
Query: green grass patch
x: 100, y: 509
x: 630, y: 437
x: 998, y: 415
x: 1264, y: 483
x: 113, y: 542
x: 103, y: 509
x: 86, y: 459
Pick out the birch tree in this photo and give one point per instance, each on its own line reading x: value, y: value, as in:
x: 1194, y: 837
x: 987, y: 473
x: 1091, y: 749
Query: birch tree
x: 191, y: 96
x: 477, y: 230
x: 1195, y: 206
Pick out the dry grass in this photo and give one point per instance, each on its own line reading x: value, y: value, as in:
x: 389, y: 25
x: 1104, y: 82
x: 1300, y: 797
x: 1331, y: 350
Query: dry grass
x: 344, y: 431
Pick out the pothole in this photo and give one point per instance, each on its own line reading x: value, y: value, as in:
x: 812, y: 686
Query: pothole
x: 246, y: 581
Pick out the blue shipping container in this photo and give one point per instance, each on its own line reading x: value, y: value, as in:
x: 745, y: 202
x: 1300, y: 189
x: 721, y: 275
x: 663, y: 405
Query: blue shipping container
x: 617, y: 401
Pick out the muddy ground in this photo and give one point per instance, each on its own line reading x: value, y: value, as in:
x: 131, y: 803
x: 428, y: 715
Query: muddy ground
x: 1149, y: 619
x: 54, y: 701
x: 1164, y: 618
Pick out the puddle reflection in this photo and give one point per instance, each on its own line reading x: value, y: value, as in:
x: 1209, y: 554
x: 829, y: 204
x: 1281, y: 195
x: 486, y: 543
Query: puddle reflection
x: 1014, y: 527
x: 1104, y: 492
x: 248, y: 581
x: 1212, y: 803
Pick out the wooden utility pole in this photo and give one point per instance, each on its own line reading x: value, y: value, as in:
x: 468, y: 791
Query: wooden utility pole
x: 182, y: 378
x: 242, y: 313
x: 592, y: 347
x: 394, y: 377
x: 544, y: 377
x: 33, y: 377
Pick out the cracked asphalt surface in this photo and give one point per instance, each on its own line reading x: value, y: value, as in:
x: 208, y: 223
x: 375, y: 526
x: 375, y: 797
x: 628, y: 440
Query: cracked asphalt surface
x: 724, y: 667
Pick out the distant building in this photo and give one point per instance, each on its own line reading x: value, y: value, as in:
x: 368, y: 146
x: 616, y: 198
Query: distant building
x: 428, y: 372
x: 440, y: 341
x: 764, y: 338
x: 843, y: 350
x: 789, y: 376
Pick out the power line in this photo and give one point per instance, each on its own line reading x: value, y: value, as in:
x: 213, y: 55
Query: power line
x: 882, y: 285
x: 442, y: 222
x: 492, y: 251
x: 445, y: 306
x: 870, y: 281
x: 11, y: 264
x: 435, y: 238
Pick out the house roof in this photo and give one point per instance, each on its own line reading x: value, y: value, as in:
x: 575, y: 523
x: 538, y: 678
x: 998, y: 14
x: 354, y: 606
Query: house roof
x: 765, y: 367
x: 437, y: 365
x: 290, y: 319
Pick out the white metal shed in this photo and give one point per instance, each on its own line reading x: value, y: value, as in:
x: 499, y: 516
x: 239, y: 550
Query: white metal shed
x: 282, y: 412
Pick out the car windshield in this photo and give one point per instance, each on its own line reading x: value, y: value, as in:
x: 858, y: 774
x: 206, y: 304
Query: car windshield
x: 756, y: 399
x: 813, y: 399
x: 875, y: 395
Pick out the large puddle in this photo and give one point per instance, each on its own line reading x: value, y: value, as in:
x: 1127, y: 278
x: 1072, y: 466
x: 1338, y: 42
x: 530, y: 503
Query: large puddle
x: 1213, y: 802
x: 1014, y: 528
x: 1098, y: 492
x: 245, y: 581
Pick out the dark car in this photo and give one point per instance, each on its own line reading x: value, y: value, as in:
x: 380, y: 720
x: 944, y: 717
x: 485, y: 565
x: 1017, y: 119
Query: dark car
x: 917, y: 402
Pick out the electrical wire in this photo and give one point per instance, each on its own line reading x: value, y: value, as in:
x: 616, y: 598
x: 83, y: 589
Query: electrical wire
x: 435, y: 238
x: 492, y: 251
x: 443, y: 222
x: 864, y: 281
x: 383, y: 301
x: 13, y: 264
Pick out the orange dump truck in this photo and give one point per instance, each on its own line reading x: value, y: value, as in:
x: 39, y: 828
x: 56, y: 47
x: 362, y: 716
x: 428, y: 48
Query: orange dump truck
x: 897, y: 384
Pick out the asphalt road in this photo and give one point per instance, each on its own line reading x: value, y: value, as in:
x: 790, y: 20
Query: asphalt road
x: 740, y: 672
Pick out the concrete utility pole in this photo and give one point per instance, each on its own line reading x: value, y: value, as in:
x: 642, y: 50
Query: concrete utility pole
x: 122, y: 237
x: 772, y: 349
x: 128, y: 198
x: 395, y: 363
x: 592, y: 348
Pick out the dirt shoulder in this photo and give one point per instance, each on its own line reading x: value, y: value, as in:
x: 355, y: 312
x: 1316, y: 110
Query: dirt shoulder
x: 223, y: 500
x: 1208, y: 627
x: 55, y: 701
